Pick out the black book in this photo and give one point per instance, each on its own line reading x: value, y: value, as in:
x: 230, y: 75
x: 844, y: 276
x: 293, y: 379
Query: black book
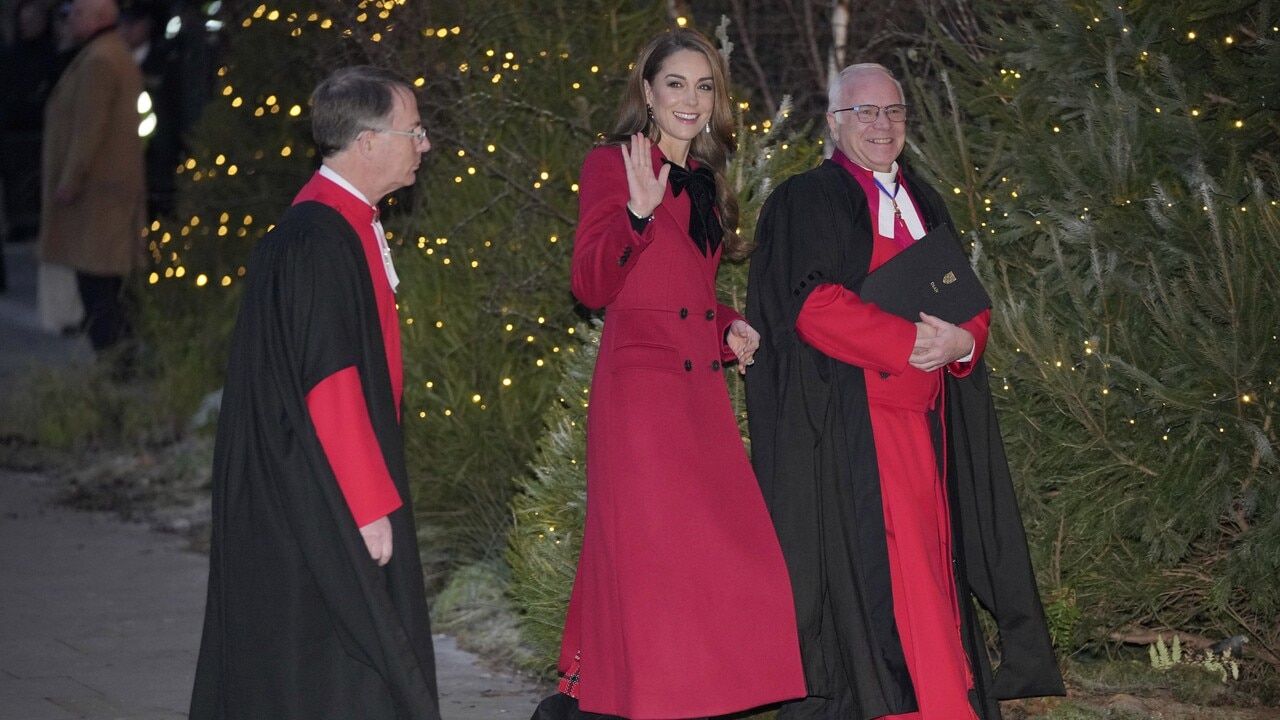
x: 931, y: 275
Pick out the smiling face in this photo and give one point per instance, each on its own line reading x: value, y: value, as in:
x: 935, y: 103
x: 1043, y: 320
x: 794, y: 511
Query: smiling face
x: 874, y: 145
x: 396, y: 157
x: 682, y: 94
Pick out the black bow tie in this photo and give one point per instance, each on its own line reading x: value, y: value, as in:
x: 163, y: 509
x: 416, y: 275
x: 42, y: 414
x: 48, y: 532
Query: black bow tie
x: 704, y: 226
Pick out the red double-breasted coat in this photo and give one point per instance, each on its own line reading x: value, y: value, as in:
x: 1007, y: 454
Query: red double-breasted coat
x: 682, y: 605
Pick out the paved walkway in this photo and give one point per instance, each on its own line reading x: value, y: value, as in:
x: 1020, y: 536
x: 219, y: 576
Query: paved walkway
x: 22, y: 342
x: 100, y: 619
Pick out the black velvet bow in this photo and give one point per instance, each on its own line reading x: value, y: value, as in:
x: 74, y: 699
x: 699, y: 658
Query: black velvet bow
x: 704, y: 226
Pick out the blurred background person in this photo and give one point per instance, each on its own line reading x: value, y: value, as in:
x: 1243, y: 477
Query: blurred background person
x: 93, y: 195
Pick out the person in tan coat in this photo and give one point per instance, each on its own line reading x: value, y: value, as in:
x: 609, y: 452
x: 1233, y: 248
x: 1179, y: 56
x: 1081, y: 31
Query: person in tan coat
x: 92, y: 212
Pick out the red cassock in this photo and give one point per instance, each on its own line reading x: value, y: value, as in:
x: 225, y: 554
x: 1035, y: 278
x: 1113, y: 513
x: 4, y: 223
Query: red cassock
x: 682, y: 605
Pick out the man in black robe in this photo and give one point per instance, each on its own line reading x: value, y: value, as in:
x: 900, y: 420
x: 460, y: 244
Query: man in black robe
x: 316, y: 605
x: 823, y: 354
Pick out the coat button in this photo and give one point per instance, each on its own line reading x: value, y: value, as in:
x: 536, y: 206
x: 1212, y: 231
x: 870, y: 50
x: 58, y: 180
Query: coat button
x: 684, y: 313
x: 715, y: 364
x: 688, y: 366
x: 710, y: 315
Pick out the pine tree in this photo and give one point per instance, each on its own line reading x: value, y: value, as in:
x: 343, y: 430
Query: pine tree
x: 550, y: 509
x: 1114, y: 170
x: 521, y: 90
x: 250, y: 152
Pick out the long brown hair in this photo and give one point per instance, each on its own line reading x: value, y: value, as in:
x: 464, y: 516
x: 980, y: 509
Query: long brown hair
x: 711, y: 149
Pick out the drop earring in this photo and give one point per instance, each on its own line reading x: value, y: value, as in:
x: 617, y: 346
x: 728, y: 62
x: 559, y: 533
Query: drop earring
x: 649, y: 108
x: 707, y: 129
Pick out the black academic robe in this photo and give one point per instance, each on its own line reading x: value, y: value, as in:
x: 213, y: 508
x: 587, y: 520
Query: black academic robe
x: 300, y: 623
x: 815, y: 458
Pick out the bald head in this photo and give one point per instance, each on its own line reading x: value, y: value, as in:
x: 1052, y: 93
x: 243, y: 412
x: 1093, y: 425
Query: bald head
x: 89, y: 16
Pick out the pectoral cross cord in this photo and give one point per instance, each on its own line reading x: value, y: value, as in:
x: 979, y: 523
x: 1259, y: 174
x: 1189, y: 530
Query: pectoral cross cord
x: 893, y: 196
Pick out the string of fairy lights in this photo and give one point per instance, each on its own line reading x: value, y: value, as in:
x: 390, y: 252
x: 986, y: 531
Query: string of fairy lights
x: 1089, y: 347
x: 1007, y: 203
x: 168, y: 245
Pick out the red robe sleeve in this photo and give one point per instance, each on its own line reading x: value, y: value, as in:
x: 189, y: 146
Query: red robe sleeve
x: 341, y: 418
x: 978, y: 328
x: 836, y: 322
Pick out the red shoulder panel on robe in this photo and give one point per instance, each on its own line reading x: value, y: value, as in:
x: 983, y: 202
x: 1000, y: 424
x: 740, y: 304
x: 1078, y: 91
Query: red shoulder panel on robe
x: 360, y: 216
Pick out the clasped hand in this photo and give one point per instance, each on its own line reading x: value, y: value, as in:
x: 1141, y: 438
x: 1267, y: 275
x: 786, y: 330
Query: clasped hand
x: 743, y: 340
x: 939, y: 343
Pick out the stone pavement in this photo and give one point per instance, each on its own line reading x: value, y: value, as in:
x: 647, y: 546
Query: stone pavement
x: 100, y: 619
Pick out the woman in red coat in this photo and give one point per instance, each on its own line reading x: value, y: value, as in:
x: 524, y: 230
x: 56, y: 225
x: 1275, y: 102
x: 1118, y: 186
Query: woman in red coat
x: 681, y: 606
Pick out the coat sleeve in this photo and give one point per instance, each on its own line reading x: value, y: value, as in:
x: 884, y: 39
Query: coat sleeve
x: 605, y: 244
x: 725, y: 316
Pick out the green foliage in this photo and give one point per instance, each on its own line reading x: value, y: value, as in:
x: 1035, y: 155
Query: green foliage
x: 473, y: 608
x: 1063, y: 614
x: 550, y: 509
x: 1115, y: 178
x: 1187, y: 681
x: 516, y: 99
x: 65, y: 410
x: 1165, y: 657
x: 251, y: 150
x: 176, y: 363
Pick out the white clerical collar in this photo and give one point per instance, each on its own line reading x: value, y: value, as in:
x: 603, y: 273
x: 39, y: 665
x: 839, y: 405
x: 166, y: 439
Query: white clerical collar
x: 378, y: 232
x: 341, y: 182
x: 893, y: 193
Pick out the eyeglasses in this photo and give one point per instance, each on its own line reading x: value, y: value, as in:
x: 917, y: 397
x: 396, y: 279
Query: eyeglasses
x: 419, y: 136
x: 869, y: 113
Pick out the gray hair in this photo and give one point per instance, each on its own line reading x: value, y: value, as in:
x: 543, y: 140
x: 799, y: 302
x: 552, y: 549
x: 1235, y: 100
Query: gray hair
x: 835, y: 88
x: 352, y: 100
